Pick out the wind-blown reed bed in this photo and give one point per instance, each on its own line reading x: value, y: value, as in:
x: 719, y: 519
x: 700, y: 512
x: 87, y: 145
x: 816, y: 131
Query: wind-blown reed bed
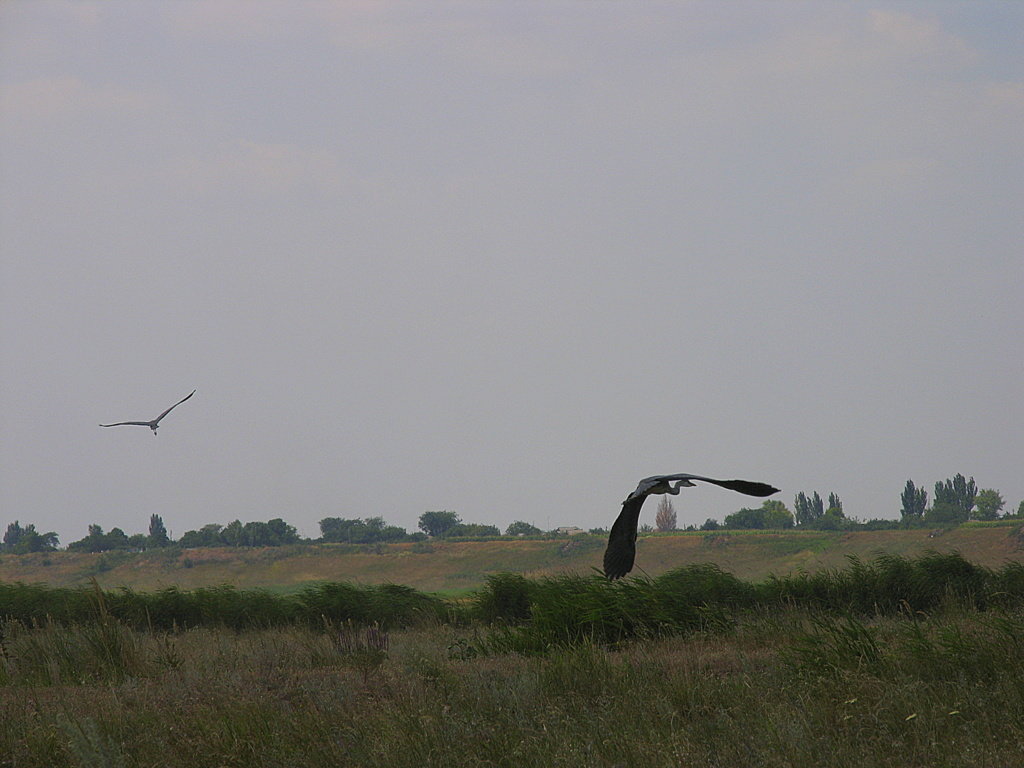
x: 893, y: 662
x: 787, y: 688
x: 389, y: 605
x: 534, y: 614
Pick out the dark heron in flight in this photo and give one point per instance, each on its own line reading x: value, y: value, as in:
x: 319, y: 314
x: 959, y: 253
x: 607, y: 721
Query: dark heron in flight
x: 618, y: 558
x: 155, y: 422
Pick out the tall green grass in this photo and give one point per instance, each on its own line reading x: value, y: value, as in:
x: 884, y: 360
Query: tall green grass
x: 388, y: 605
x: 889, y: 583
x: 534, y: 615
x: 906, y: 691
x: 892, y: 662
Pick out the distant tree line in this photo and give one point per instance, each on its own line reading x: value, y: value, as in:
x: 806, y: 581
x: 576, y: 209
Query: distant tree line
x: 956, y: 500
x: 20, y: 541
x: 273, y: 533
x: 371, y: 530
x: 98, y: 541
x: 446, y: 525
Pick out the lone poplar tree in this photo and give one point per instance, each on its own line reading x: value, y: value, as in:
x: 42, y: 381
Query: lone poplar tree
x: 959, y: 493
x: 157, y: 532
x: 988, y: 504
x: 808, y: 510
x: 665, y: 520
x: 437, y: 523
x: 914, y: 502
x: 835, y: 503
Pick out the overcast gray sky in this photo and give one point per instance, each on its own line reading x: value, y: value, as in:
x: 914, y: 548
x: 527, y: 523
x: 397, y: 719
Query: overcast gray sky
x: 504, y: 258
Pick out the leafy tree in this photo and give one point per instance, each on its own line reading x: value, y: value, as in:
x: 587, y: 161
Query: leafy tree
x: 836, y: 504
x: 745, y: 519
x: 988, y: 504
x: 340, y: 529
x: 802, y: 507
x: 776, y: 515
x: 12, y: 536
x: 665, y: 519
x: 472, y: 529
x: 232, y: 534
x: 207, y: 536
x: 520, y: 528
x: 19, y: 541
x: 832, y: 520
x: 835, y: 512
x: 34, y: 541
x: 817, y: 506
x: 211, y: 535
x: 97, y: 541
x: 710, y: 525
x: 356, y: 531
x: 880, y: 524
x: 960, y: 493
x: 94, y: 541
x: 282, y: 532
x: 436, y: 524
x: 811, y: 512
x: 943, y: 513
x: 272, y: 533
x: 915, y: 501
x: 771, y: 514
x: 116, y: 539
x: 397, y: 533
x: 256, y: 534
x: 157, y: 532
x: 808, y: 510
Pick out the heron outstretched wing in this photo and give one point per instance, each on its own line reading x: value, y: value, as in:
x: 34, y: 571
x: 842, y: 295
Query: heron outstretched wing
x: 621, y: 551
x: 157, y: 419
x: 134, y: 423
x: 748, y: 487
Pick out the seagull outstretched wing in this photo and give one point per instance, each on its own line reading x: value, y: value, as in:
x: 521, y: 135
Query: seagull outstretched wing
x: 155, y: 422
x: 186, y: 397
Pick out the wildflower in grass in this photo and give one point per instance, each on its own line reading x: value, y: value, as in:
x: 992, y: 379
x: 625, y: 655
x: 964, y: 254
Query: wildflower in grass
x: 362, y: 648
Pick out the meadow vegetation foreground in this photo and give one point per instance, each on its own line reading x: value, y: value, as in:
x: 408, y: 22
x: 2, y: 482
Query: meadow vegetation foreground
x: 698, y: 669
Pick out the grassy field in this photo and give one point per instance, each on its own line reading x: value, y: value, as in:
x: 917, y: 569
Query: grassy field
x: 894, y: 662
x: 777, y: 691
x: 458, y: 567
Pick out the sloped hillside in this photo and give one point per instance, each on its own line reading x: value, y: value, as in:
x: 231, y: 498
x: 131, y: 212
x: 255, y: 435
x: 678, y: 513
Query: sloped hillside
x: 460, y: 566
